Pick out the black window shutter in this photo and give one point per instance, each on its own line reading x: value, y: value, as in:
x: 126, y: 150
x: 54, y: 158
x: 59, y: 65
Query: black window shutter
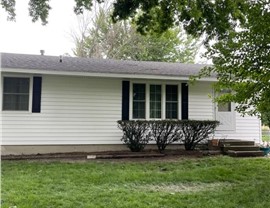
x: 125, y: 100
x: 37, y: 82
x: 184, y: 95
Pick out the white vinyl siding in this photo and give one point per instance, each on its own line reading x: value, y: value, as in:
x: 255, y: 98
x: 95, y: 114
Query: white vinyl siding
x: 246, y: 128
x: 84, y: 110
x: 200, y: 105
x: 74, y: 110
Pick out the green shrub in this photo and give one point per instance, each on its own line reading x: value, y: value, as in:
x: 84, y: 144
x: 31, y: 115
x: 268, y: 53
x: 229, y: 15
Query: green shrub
x: 165, y: 132
x: 135, y: 134
x: 194, y: 132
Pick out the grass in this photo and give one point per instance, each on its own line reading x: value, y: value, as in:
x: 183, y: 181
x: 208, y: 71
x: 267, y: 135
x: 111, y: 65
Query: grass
x: 214, y: 182
x: 266, y: 138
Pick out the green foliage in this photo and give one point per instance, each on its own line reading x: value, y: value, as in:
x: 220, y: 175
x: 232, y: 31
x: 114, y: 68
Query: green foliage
x: 241, y: 61
x: 213, y: 18
x: 194, y: 132
x: 193, y: 183
x: 39, y: 9
x: 265, y: 116
x: 105, y: 39
x: 135, y: 134
x: 165, y: 132
x: 9, y: 6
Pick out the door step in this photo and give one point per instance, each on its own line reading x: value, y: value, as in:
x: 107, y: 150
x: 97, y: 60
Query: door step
x: 232, y: 142
x: 233, y: 153
x: 236, y: 148
x: 241, y: 148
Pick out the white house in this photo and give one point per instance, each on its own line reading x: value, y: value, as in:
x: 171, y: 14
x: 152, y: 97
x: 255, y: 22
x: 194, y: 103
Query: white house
x: 53, y: 104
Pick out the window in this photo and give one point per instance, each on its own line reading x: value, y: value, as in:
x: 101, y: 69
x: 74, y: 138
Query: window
x: 138, y: 101
x: 16, y: 94
x: 224, y: 107
x: 171, y: 101
x: 155, y: 101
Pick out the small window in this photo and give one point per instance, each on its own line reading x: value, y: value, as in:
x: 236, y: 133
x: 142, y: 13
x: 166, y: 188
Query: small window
x: 138, y: 101
x: 155, y: 101
x: 171, y: 101
x: 224, y: 107
x: 16, y: 94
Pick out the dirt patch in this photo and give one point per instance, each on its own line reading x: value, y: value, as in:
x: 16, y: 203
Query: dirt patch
x: 145, y: 155
x: 184, y: 187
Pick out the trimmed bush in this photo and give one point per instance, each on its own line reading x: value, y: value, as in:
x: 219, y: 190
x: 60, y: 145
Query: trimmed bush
x: 165, y: 132
x: 135, y: 134
x: 194, y: 132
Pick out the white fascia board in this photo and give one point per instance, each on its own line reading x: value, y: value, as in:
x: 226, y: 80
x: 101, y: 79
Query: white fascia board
x: 105, y: 75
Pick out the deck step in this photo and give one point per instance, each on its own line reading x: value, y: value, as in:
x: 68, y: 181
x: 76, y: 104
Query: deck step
x: 231, y: 142
x: 233, y: 153
x: 241, y: 148
x: 236, y: 147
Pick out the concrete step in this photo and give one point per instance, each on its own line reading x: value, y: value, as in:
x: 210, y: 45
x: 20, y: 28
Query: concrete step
x: 241, y: 148
x: 233, y: 153
x: 232, y: 142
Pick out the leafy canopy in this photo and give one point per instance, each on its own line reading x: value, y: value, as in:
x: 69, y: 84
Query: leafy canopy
x: 242, y: 61
x: 101, y: 38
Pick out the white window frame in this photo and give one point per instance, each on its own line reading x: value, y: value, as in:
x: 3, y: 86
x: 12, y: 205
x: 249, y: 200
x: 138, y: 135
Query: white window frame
x: 161, y: 107
x: 30, y: 92
x: 147, y: 98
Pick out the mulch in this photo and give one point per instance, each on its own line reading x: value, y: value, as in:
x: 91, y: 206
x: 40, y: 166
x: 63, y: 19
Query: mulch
x: 114, y: 155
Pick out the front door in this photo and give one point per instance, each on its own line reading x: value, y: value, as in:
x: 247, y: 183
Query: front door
x: 225, y: 114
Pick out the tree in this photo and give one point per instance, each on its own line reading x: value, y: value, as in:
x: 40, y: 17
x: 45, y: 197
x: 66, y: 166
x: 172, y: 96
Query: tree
x: 101, y: 38
x: 266, y: 118
x: 242, y: 61
x: 39, y: 9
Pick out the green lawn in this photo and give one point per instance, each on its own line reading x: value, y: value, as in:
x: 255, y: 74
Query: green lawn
x: 266, y: 138
x: 213, y: 182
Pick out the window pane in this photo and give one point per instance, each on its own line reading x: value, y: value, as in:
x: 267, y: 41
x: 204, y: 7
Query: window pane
x: 16, y: 93
x: 15, y: 102
x: 171, y: 92
x: 138, y: 100
x: 171, y: 101
x: 16, y: 85
x: 224, y: 107
x: 171, y: 110
x: 155, y: 101
x: 139, y: 92
x: 138, y: 109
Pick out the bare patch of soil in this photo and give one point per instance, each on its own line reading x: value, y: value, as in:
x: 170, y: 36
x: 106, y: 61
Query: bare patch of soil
x: 146, y: 155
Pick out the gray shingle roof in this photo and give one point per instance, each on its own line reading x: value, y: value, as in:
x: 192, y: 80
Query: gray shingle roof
x: 90, y: 65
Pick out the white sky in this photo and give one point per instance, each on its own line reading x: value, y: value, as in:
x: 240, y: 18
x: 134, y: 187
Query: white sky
x: 24, y: 36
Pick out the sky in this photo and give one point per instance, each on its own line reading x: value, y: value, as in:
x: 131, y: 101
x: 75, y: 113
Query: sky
x: 24, y: 36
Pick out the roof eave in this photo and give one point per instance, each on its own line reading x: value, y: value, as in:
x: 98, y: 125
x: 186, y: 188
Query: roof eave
x: 104, y: 75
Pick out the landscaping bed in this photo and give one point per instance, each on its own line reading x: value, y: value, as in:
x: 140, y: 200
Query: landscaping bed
x: 146, y: 154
